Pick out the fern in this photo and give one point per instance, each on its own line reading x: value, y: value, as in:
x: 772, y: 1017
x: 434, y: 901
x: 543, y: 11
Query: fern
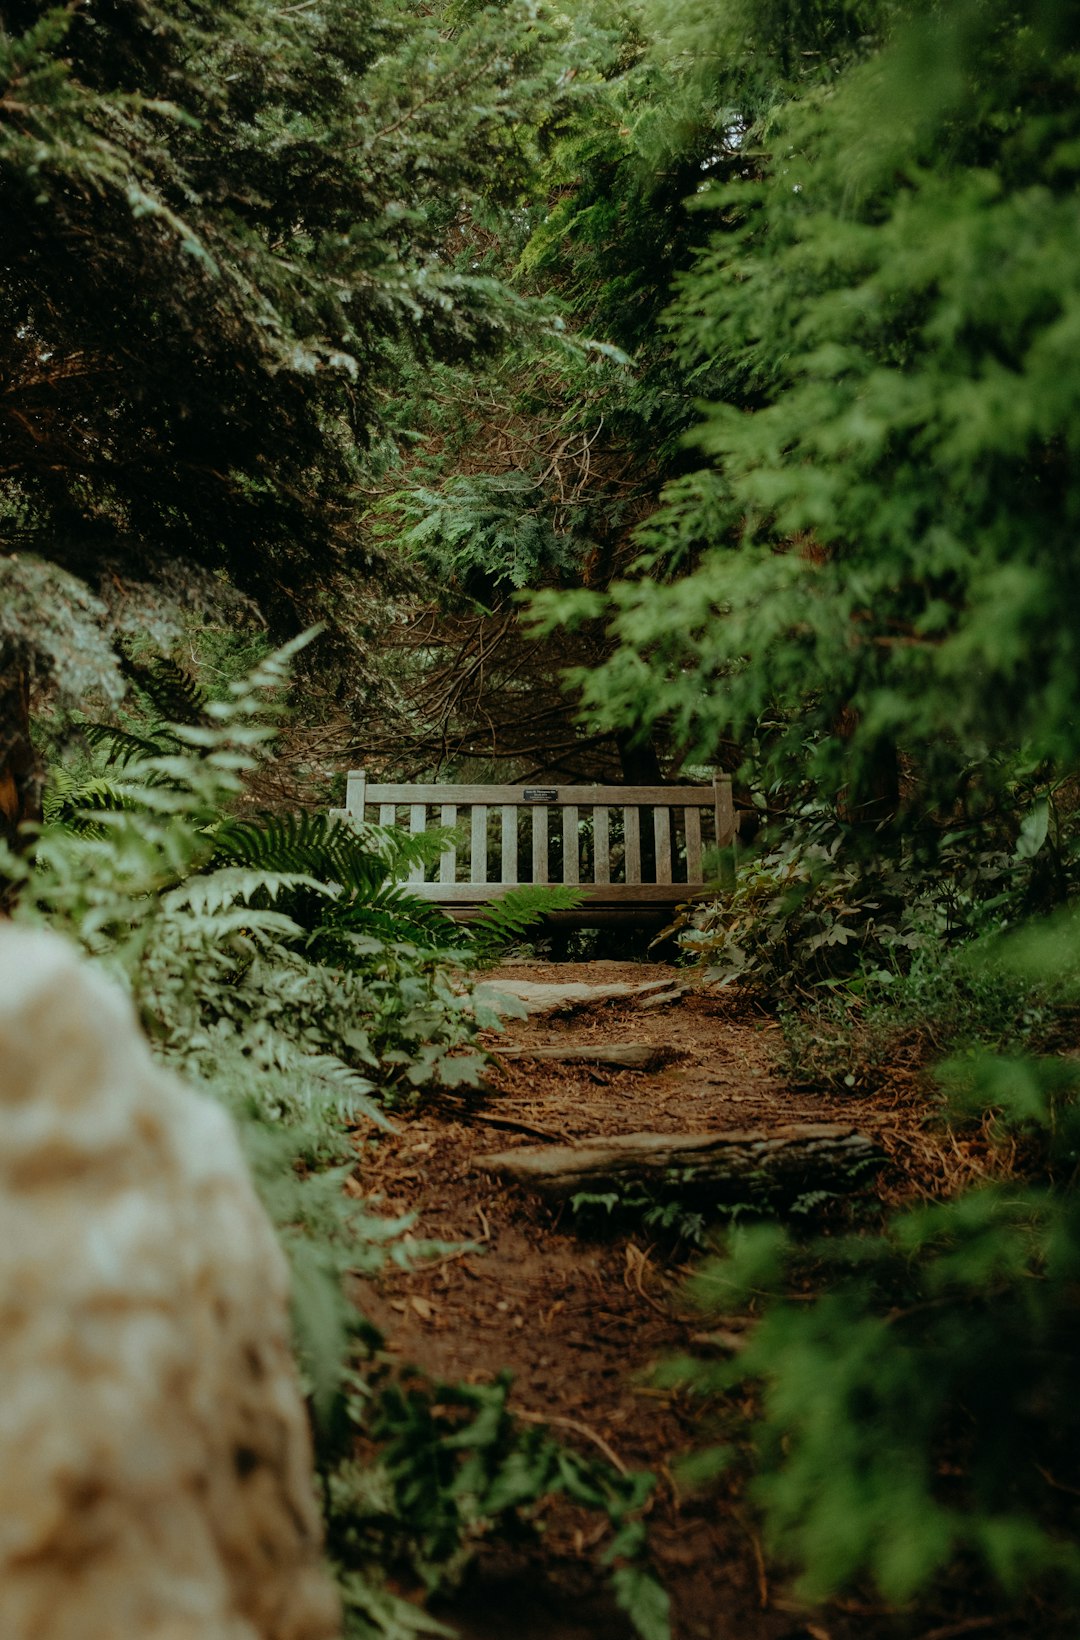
x: 211, y: 893
x: 278, y: 942
x: 504, y: 921
x: 79, y: 800
x: 403, y: 851
x: 352, y: 871
x: 360, y: 859
x: 169, y: 688
x: 121, y: 745
x: 391, y: 915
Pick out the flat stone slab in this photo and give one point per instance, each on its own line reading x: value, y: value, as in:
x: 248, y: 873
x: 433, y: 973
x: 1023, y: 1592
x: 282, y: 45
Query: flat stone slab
x: 627, y: 1056
x: 536, y: 998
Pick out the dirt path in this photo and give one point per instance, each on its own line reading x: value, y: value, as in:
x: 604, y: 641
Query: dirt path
x: 580, y: 1320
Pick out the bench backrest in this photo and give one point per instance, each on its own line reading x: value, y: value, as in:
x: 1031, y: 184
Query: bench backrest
x: 598, y: 840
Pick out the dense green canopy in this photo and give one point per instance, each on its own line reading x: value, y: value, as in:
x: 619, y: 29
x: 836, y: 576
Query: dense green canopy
x: 216, y: 221
x: 882, y: 521
x: 742, y: 340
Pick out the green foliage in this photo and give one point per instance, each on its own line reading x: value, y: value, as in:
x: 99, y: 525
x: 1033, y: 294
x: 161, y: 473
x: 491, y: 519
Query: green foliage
x: 883, y: 523
x: 455, y: 1465
x: 222, y: 236
x: 806, y: 912
x: 921, y: 1410
x: 927, y: 1359
x: 488, y: 530
x: 231, y: 258
x: 362, y: 868
x: 831, y: 906
x: 505, y: 921
x: 273, y: 962
x: 662, y: 1211
x: 946, y: 1002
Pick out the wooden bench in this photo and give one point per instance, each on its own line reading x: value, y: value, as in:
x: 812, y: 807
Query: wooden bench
x: 634, y: 851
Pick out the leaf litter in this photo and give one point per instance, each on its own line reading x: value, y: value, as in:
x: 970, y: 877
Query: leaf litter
x: 580, y: 1319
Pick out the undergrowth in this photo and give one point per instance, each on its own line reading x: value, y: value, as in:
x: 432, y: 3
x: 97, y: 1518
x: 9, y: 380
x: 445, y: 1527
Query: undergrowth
x: 443, y: 1467
x: 827, y: 906
x: 914, y: 1420
x: 665, y: 1214
x: 859, y: 1041
x: 278, y: 963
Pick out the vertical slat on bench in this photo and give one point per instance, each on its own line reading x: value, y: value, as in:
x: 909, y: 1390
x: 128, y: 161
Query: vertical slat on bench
x: 724, y: 809
x: 448, y: 860
x: 417, y: 825
x: 632, y: 843
x: 355, y: 788
x: 539, y: 843
x: 387, y: 814
x: 570, y: 872
x: 601, y: 847
x: 661, y: 820
x: 693, y: 845
x: 509, y: 843
x: 478, y: 845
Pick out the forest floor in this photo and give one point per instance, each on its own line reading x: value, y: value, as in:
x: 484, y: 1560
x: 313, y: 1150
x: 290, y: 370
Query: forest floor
x: 580, y: 1314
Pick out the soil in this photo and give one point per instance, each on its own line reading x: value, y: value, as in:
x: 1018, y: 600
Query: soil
x: 581, y: 1319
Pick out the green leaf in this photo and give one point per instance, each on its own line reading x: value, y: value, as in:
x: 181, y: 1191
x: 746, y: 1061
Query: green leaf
x: 1033, y: 830
x: 644, y: 1601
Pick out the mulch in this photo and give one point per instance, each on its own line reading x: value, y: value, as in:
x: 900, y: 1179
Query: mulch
x: 582, y: 1320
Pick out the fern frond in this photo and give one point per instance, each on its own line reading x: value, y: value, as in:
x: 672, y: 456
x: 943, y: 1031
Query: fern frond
x: 392, y: 916
x: 360, y: 859
x: 78, y: 803
x: 213, y: 928
x: 401, y: 849
x: 216, y: 890
x: 508, y: 919
x: 325, y: 1086
x: 120, y: 744
x: 171, y: 690
x: 309, y: 843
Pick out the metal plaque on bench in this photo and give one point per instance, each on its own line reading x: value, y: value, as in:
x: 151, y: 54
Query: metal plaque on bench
x: 540, y: 794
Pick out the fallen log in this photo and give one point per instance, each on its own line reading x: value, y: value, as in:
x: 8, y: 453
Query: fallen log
x: 627, y: 1056
x: 766, y: 1167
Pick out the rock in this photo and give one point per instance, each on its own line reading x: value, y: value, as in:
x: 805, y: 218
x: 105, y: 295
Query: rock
x: 155, y: 1463
x: 626, y: 1056
x: 553, y: 999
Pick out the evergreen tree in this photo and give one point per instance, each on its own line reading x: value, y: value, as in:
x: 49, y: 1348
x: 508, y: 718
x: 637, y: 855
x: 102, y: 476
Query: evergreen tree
x: 534, y: 471
x: 881, y: 536
x: 217, y: 225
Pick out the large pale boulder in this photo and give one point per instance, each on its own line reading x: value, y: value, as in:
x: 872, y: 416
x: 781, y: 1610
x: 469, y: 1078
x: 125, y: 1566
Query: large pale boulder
x: 155, y: 1463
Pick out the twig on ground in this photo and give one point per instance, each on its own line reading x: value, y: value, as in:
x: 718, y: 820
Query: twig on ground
x: 966, y: 1625
x: 518, y: 1127
x: 578, y: 1427
x: 759, y: 1562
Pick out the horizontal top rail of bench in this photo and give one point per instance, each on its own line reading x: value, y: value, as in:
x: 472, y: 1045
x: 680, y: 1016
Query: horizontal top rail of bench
x: 615, y: 797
